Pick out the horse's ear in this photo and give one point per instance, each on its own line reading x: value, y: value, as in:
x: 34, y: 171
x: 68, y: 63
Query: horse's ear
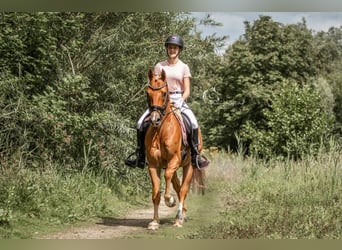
x: 163, y: 75
x: 150, y: 74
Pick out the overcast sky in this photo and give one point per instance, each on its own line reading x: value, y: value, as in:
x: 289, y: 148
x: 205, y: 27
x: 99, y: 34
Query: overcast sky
x: 233, y: 26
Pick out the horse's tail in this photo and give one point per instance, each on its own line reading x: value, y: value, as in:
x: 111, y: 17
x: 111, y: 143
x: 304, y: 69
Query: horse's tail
x: 198, y: 181
x: 198, y: 177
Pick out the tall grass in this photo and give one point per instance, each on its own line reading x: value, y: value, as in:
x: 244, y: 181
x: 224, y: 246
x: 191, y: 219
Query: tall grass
x: 32, y: 201
x: 247, y: 197
x: 277, y: 199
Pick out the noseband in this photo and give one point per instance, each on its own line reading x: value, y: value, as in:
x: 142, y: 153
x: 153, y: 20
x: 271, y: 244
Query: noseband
x: 160, y: 109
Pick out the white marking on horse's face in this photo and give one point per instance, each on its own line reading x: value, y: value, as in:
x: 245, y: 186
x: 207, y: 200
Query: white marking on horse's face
x: 155, y: 118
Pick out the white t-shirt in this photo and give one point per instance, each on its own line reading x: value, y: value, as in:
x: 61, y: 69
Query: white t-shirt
x: 175, y: 74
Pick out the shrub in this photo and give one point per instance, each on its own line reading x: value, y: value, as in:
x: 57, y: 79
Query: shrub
x: 296, y: 123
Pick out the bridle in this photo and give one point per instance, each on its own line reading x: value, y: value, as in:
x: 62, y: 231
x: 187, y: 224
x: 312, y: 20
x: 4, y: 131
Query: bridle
x: 159, y: 109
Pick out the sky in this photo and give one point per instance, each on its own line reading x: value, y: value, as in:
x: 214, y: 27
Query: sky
x: 233, y: 22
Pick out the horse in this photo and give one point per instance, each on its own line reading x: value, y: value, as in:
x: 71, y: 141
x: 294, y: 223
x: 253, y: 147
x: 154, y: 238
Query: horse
x: 164, y: 147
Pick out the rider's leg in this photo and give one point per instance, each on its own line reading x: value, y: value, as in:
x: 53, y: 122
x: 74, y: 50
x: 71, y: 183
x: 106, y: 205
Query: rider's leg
x: 196, y: 159
x: 140, y: 154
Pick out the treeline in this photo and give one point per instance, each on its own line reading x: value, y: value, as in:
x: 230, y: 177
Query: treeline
x: 72, y: 86
x: 280, y: 90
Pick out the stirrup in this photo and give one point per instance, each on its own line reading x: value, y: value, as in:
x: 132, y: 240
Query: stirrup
x: 201, y: 164
x: 129, y: 162
x: 137, y: 163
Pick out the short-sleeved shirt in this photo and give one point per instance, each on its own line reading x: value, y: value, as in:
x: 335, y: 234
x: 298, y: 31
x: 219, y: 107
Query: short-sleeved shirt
x: 175, y: 74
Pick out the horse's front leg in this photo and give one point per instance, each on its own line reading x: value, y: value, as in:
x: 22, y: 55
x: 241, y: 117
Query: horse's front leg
x: 155, y: 178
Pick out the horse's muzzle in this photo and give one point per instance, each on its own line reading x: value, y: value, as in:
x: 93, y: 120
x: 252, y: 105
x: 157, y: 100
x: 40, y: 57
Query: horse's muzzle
x: 155, y: 118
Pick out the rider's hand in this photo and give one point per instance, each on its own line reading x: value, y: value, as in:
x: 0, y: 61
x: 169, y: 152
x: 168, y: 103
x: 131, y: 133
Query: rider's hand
x: 178, y: 103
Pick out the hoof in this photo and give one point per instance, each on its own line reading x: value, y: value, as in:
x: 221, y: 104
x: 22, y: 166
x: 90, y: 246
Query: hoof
x: 171, y: 202
x: 178, y: 223
x: 153, y: 225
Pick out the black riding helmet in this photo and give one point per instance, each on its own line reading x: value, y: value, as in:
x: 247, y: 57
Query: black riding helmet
x: 176, y: 40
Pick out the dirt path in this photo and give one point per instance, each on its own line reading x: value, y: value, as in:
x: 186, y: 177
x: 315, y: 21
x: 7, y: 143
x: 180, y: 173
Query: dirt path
x: 113, y: 228
x: 131, y: 225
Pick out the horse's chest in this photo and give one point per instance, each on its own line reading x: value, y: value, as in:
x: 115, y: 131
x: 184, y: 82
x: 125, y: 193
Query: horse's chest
x: 162, y: 146
x: 159, y: 148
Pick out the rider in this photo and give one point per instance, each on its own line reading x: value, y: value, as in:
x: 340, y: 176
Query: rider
x: 178, y: 79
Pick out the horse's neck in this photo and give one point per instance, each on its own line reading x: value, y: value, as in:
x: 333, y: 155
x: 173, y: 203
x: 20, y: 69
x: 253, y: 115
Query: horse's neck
x: 168, y: 107
x: 168, y: 112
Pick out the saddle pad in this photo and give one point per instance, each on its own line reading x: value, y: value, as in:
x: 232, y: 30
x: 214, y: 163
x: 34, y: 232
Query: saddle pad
x: 179, y: 117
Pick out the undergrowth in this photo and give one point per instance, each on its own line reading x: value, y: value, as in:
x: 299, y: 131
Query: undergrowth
x: 246, y: 198
x: 33, y: 201
x: 278, y: 199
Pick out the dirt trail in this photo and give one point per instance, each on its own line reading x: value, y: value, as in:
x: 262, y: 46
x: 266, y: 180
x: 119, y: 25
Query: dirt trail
x: 113, y: 228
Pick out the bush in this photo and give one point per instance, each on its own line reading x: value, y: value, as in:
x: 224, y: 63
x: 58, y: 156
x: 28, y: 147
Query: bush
x: 296, y: 123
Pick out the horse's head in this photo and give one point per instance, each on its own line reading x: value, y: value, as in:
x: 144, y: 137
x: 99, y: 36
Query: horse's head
x: 157, y: 97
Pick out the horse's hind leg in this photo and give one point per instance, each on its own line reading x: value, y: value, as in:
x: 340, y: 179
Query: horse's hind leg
x: 155, y: 178
x: 181, y: 213
x: 168, y: 198
x: 176, y: 184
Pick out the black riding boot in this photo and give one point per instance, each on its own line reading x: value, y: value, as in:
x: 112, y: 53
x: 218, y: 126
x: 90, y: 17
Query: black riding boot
x: 196, y: 159
x: 139, y: 161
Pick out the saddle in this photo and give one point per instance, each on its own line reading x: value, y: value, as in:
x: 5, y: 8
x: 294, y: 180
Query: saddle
x: 186, y: 128
x: 184, y: 123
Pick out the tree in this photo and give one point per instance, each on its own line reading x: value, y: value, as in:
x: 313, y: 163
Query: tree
x: 73, y: 83
x: 329, y: 56
x: 256, y: 67
x: 297, y: 123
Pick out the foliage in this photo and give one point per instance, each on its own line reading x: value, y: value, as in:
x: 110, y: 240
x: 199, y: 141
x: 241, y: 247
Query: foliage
x: 51, y: 197
x: 296, y: 124
x: 274, y: 199
x: 334, y: 79
x: 72, y: 87
x: 71, y: 78
x: 253, y: 74
x: 329, y: 53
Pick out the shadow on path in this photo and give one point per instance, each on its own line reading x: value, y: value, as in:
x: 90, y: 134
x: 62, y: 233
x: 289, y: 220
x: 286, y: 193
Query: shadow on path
x: 130, y: 222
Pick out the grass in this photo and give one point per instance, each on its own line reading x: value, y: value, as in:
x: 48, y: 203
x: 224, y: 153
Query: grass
x: 246, y: 198
x: 35, y: 202
x: 277, y: 199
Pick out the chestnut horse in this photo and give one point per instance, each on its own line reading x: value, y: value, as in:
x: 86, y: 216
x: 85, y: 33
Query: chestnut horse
x: 164, y: 148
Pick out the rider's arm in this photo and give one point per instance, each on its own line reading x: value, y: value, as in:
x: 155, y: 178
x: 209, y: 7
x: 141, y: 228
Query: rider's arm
x: 186, y: 92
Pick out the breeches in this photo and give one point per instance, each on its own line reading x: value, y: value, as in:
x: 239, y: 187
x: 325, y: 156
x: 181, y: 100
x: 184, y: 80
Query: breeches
x: 184, y: 109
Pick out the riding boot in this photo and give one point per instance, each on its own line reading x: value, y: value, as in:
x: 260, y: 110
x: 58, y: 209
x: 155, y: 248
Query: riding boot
x: 139, y: 161
x: 196, y: 159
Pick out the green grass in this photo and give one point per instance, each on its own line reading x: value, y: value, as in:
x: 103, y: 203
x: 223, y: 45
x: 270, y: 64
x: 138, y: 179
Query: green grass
x: 246, y: 198
x: 36, y: 202
x: 276, y: 200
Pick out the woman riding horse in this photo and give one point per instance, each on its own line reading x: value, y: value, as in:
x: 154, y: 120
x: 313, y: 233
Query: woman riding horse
x: 164, y: 147
x: 178, y: 79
